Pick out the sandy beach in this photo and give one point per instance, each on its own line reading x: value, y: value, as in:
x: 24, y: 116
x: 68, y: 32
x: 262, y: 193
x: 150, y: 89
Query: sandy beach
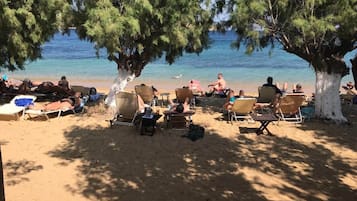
x: 79, y: 157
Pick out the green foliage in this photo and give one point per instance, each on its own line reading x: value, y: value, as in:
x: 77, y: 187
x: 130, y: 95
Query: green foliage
x: 145, y: 28
x: 311, y: 29
x: 24, y: 26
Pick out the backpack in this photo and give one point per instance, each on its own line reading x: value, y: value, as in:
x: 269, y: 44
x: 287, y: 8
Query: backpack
x: 195, y: 132
x: 92, y: 91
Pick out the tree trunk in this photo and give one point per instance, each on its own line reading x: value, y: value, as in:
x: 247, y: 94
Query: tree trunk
x: 129, y: 67
x: 327, y: 99
x: 124, y: 77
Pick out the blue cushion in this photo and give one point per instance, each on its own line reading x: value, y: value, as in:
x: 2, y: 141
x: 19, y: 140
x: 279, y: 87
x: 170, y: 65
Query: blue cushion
x: 23, y: 102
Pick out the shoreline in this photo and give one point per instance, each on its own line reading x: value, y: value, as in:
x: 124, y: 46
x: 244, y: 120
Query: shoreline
x: 168, y: 85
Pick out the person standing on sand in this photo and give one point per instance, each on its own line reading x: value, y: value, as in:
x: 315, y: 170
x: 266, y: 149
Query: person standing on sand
x: 218, y: 86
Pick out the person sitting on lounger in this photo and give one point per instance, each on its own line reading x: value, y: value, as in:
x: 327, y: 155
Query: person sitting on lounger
x: 349, y: 88
x: 277, y: 96
x: 63, y: 83
x: 351, y: 92
x: 141, y: 104
x: 298, y: 89
x: 230, y: 100
x: 155, y: 92
x: 241, y: 94
x: 270, y: 84
x: 195, y: 86
x: 283, y: 89
x: 218, y: 86
x: 3, y: 85
x: 180, y: 107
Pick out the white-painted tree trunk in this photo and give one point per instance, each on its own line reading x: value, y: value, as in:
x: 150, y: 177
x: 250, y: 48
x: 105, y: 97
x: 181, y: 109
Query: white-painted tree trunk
x: 119, y: 84
x: 327, y: 99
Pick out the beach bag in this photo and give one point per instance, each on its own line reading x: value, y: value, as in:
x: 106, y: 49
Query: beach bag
x: 92, y: 91
x: 180, y: 108
x: 195, y: 132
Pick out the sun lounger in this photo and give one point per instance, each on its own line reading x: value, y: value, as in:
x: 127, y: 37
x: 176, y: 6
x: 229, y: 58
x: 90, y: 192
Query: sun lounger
x: 174, y: 119
x: 183, y: 93
x: 31, y: 112
x: 267, y: 94
x: 241, y: 109
x: 126, y: 110
x: 289, y: 108
x: 17, y: 105
x: 36, y: 112
x: 146, y: 93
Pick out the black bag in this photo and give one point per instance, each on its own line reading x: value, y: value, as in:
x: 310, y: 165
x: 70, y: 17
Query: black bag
x: 92, y: 91
x: 195, y: 132
x: 180, y: 108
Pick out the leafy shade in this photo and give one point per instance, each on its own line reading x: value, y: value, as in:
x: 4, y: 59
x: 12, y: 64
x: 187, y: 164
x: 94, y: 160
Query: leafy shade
x: 24, y: 26
x: 319, y: 31
x: 137, y: 32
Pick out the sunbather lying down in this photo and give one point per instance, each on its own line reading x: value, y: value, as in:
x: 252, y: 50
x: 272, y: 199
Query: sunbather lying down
x: 179, y: 107
x: 71, y: 103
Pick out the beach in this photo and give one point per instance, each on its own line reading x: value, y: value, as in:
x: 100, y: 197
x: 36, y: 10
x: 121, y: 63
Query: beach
x: 79, y: 157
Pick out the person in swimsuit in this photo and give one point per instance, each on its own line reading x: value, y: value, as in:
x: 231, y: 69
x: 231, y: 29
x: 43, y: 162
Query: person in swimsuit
x: 218, y: 86
x: 63, y: 83
x: 71, y: 102
x: 230, y: 100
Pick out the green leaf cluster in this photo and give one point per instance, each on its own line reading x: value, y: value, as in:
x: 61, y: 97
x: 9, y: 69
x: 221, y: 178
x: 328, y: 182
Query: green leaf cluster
x: 24, y: 26
x: 311, y: 29
x: 148, y: 29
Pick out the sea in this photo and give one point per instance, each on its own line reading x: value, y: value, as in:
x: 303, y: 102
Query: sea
x: 77, y: 60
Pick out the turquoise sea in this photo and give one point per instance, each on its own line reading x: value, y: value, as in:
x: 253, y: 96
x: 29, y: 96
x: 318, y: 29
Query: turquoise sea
x: 67, y: 55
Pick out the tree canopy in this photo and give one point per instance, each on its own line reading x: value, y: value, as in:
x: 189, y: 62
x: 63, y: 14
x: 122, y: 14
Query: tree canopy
x: 319, y: 31
x: 137, y: 32
x: 25, y: 26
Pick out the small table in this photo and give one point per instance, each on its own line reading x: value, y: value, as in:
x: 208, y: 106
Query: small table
x: 264, y: 120
x: 166, y: 95
x: 148, y: 123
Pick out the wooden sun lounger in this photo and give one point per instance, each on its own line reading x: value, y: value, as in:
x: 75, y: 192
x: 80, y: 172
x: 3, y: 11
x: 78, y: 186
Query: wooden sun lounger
x: 175, y: 119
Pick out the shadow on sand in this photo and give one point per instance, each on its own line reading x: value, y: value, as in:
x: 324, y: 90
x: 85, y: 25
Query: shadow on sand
x: 117, y: 164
